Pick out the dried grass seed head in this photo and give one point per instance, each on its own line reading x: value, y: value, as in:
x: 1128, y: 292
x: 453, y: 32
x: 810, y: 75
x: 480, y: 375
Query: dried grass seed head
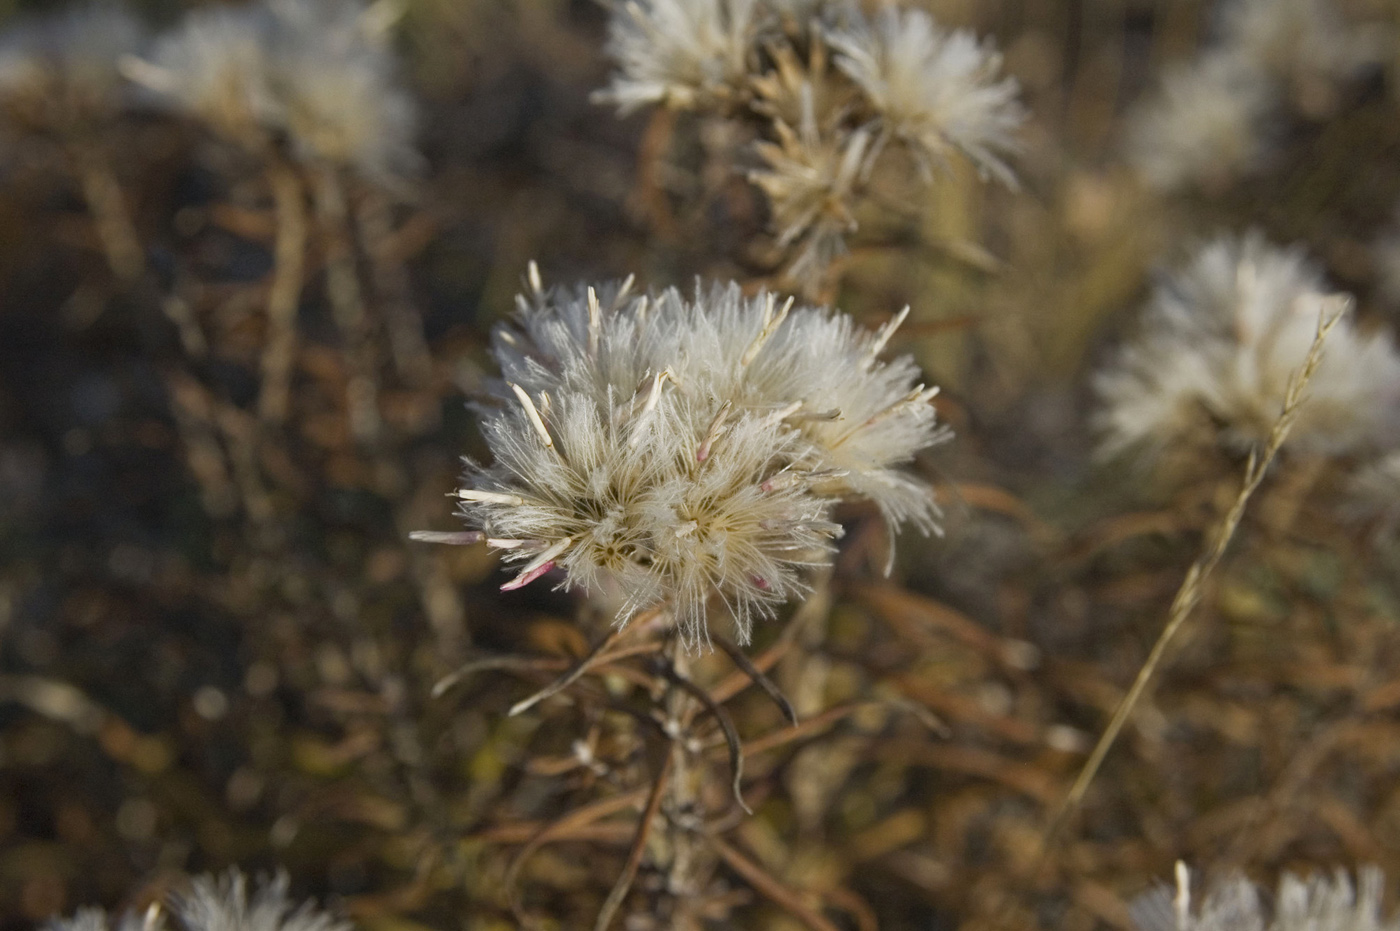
x: 1222, y: 339
x: 681, y: 54
x: 936, y: 89
x: 61, y: 74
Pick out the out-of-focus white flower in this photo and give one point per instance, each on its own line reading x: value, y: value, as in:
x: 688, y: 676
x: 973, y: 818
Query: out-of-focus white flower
x: 1304, y: 41
x: 676, y: 450
x: 680, y: 53
x: 225, y: 904
x: 1222, y: 339
x: 215, y: 67
x: 215, y: 904
x: 1206, y: 126
x: 95, y: 919
x: 810, y: 181
x: 337, y: 77
x: 1318, y: 903
x: 322, y: 72
x: 60, y: 73
x: 936, y: 89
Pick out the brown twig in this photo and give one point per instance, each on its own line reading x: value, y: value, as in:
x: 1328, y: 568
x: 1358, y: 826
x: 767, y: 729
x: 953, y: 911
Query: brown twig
x: 284, y: 294
x: 115, y: 229
x: 769, y: 687
x: 348, y: 304
x: 781, y: 895
x: 731, y: 736
x: 570, y: 677
x: 639, y: 844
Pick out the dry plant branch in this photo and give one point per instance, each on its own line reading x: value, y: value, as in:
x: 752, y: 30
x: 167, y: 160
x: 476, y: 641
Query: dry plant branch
x: 348, y: 304
x: 407, y: 343
x: 1190, y: 592
x: 639, y: 845
x: 284, y: 295
x: 774, y: 890
x: 674, y: 676
x: 115, y: 229
x: 570, y: 677
x: 769, y: 687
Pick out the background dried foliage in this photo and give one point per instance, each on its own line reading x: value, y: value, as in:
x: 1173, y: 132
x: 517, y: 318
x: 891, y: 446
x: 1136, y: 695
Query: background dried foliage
x: 216, y: 649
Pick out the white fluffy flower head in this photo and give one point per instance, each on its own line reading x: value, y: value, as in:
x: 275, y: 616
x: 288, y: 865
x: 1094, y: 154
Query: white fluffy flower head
x: 1222, y: 339
x: 679, y: 53
x: 320, y: 72
x: 686, y: 453
x: 1318, y: 903
x: 214, y: 66
x: 222, y: 903
x: 936, y: 89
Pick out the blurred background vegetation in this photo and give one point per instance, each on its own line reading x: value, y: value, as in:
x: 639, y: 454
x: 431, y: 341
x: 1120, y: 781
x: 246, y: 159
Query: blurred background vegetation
x: 216, y: 649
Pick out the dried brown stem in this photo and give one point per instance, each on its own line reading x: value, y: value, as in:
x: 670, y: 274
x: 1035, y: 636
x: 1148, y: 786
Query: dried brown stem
x: 406, y: 341
x: 348, y: 304
x: 731, y: 736
x: 769, y: 687
x: 780, y: 894
x: 284, y: 294
x: 639, y: 845
x: 115, y: 228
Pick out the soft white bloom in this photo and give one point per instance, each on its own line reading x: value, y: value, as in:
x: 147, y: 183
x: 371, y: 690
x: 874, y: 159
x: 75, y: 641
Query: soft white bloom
x: 810, y: 180
x: 680, y: 53
x: 675, y: 450
x: 936, y: 89
x: 341, y: 97
x: 1318, y: 903
x: 215, y: 67
x: 95, y: 919
x: 320, y: 72
x: 1223, y: 337
x: 215, y: 904
x: 61, y: 72
x: 861, y: 418
x: 1205, y: 126
x: 626, y: 496
x: 1300, y: 40
x: 226, y: 904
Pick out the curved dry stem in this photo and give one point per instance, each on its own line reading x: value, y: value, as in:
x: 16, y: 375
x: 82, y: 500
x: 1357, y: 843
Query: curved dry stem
x: 115, y: 229
x: 284, y: 295
x: 407, y: 343
x: 348, y: 304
